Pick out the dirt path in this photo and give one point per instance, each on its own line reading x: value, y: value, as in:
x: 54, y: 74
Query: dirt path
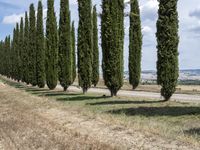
x: 175, y: 97
x: 30, y: 122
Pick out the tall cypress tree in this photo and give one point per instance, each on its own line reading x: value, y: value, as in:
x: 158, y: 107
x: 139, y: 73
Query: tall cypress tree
x: 167, y: 45
x: 73, y: 43
x: 40, y: 64
x: 13, y: 55
x: 85, y: 44
x: 65, y: 53
x: 32, y: 46
x: 1, y: 58
x: 8, y: 59
x: 21, y: 47
x: 3, y: 66
x: 95, y: 59
x: 51, y: 47
x: 17, y: 54
x: 112, y: 33
x: 135, y: 45
x: 26, y: 50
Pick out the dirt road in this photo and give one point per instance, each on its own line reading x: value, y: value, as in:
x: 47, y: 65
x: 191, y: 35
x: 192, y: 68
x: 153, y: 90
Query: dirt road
x: 31, y: 122
x: 175, y: 97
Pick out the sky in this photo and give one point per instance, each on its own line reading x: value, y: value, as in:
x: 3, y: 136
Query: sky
x: 189, y: 31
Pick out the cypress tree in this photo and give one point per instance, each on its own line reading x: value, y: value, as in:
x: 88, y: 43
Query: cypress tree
x: 1, y: 58
x: 40, y: 62
x: 13, y: 55
x: 65, y: 53
x: 73, y: 43
x: 167, y: 45
x: 21, y: 45
x: 85, y: 44
x: 95, y: 63
x: 26, y: 50
x: 32, y: 46
x: 8, y: 59
x: 135, y: 45
x: 4, y: 59
x: 51, y: 47
x: 112, y: 33
x: 17, y: 54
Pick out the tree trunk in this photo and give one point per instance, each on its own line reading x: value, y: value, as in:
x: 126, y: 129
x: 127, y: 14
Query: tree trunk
x: 65, y: 89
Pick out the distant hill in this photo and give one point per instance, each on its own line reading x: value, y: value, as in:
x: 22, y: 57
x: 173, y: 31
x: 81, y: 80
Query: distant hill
x: 194, y: 72
x: 186, y: 74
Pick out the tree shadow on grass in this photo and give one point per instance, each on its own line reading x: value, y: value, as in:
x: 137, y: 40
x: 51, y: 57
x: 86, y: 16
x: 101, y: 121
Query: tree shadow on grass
x: 123, y: 102
x: 58, y: 93
x: 20, y: 86
x: 35, y: 90
x: 193, y: 132
x: 15, y: 84
x: 157, y: 111
x: 82, y: 98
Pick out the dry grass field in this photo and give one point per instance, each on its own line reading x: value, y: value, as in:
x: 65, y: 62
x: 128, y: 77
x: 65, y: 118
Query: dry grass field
x: 32, y: 118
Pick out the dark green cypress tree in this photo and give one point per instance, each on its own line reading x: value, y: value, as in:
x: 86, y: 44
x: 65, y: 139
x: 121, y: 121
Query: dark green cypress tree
x: 73, y: 43
x: 65, y: 53
x: 26, y: 50
x: 85, y: 44
x: 51, y: 47
x: 112, y: 33
x: 135, y: 45
x: 21, y: 49
x: 4, y: 60
x: 32, y: 46
x: 167, y: 45
x: 95, y: 63
x: 40, y: 62
x: 17, y: 54
x: 1, y: 58
x: 13, y: 55
x: 8, y: 59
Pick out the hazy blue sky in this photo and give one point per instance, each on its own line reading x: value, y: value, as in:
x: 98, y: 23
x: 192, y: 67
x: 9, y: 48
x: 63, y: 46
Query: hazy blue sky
x: 189, y: 16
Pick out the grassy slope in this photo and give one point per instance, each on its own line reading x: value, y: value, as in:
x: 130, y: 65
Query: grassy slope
x: 170, y: 120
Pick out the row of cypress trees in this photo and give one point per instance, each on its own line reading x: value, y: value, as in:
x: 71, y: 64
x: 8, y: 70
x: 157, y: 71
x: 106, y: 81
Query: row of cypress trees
x: 39, y: 59
x: 36, y: 59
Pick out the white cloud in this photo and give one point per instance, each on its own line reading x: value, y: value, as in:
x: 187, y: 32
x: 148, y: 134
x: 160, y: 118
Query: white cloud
x: 146, y: 30
x: 73, y: 2
x: 12, y: 19
x: 149, y: 10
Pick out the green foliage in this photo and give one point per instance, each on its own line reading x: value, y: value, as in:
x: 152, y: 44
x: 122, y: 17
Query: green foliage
x: 167, y: 40
x: 26, y: 50
x: 65, y: 51
x: 32, y: 46
x: 5, y: 61
x: 21, y: 48
x: 17, y: 54
x: 40, y: 62
x: 73, y: 43
x: 112, y: 33
x: 13, y: 56
x: 51, y: 47
x: 95, y: 59
x: 135, y: 45
x: 85, y: 44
